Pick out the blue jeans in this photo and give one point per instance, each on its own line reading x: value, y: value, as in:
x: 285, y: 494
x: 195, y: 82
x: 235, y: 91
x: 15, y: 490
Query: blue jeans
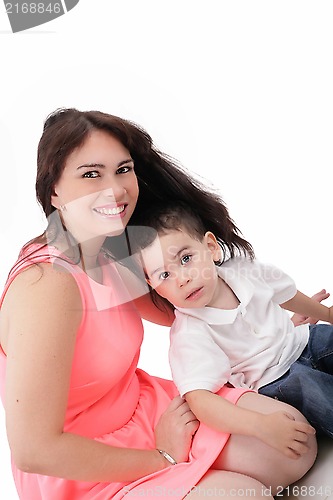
x: 308, y: 384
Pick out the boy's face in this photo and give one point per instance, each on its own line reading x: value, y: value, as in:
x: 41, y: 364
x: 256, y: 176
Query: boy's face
x: 181, y: 268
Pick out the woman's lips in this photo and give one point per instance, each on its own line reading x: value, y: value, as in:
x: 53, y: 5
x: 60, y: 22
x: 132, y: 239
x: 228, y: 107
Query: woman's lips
x: 109, y: 211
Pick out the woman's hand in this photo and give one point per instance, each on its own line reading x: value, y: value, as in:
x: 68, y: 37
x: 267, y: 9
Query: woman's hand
x: 299, y: 319
x: 281, y: 431
x: 175, y: 430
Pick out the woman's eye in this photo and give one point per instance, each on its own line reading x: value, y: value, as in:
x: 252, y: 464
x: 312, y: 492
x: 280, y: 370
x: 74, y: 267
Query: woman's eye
x: 92, y: 174
x: 124, y: 170
x: 185, y: 259
x: 164, y: 275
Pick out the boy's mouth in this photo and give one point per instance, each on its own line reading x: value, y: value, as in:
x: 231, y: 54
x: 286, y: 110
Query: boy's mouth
x: 194, y: 294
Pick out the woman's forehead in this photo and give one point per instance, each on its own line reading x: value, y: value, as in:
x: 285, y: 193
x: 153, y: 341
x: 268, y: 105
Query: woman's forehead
x: 98, y: 147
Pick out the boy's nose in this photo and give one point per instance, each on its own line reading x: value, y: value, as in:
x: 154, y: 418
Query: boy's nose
x: 183, y: 280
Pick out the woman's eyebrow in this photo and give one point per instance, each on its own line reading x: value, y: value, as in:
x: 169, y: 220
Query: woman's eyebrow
x: 101, y: 165
x: 91, y: 165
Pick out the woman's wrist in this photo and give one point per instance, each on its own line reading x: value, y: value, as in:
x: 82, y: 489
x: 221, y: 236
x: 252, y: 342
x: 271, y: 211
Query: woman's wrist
x: 167, y: 459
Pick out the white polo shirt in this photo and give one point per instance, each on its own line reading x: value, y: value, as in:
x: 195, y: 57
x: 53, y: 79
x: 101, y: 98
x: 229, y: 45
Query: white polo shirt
x: 249, y: 346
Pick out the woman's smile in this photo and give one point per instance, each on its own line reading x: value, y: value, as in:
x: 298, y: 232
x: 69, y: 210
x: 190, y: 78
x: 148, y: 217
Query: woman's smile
x: 98, y: 190
x: 111, y: 210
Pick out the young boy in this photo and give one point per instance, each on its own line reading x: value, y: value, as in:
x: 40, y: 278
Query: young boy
x: 231, y: 325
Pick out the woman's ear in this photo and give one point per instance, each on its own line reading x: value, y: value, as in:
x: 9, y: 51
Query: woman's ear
x: 55, y: 202
x: 213, y: 246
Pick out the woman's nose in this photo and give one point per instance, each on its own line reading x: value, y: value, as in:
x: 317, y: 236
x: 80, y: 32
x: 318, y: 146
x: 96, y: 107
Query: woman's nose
x: 113, y: 190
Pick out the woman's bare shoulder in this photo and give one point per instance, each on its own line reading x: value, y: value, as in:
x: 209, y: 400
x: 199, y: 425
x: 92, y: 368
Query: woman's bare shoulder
x: 43, y: 282
x: 38, y: 296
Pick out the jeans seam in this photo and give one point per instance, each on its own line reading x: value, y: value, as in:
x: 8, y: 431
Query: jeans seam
x: 315, y: 364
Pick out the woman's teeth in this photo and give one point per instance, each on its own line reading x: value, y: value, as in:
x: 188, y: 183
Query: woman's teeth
x: 110, y: 211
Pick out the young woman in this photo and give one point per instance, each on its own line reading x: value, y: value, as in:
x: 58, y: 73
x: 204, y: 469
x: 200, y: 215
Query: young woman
x: 83, y: 421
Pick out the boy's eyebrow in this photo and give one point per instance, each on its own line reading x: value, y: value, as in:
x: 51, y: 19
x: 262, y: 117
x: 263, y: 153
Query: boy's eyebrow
x: 186, y: 247
x: 173, y: 257
x: 156, y: 270
x: 100, y: 165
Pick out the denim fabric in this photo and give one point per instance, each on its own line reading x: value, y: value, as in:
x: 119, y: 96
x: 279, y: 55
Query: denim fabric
x: 308, y: 384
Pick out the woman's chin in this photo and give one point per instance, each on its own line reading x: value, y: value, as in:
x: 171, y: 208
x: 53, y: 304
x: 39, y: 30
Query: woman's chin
x: 115, y: 232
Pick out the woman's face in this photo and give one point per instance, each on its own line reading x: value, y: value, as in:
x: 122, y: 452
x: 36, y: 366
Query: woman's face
x: 98, y: 190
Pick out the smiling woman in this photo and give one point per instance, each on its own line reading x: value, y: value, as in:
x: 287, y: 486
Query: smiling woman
x: 96, y: 199
x: 83, y: 421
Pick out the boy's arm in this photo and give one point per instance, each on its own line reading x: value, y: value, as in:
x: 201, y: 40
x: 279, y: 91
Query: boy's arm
x: 302, y: 304
x: 301, y: 319
x: 278, y: 429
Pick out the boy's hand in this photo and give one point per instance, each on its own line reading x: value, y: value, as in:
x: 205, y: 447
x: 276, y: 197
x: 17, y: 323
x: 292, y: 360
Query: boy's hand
x: 331, y: 315
x: 299, y: 319
x: 281, y: 431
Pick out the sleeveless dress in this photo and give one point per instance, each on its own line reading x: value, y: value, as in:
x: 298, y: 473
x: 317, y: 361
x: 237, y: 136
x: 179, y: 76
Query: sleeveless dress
x: 110, y: 399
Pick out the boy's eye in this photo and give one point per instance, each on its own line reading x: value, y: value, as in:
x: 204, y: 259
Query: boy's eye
x: 92, y: 174
x: 185, y: 259
x: 164, y: 275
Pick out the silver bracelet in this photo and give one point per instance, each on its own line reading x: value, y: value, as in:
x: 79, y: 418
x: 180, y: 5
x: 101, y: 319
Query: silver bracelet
x: 167, y: 457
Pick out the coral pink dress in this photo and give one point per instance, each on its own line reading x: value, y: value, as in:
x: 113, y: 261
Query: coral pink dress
x: 110, y: 399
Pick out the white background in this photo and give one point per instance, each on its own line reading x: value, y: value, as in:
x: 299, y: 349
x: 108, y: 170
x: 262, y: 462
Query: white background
x: 239, y: 91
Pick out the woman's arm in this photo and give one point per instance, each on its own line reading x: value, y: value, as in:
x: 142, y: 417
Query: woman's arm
x: 150, y: 312
x: 139, y: 291
x: 309, y: 307
x: 278, y: 429
x: 43, y: 312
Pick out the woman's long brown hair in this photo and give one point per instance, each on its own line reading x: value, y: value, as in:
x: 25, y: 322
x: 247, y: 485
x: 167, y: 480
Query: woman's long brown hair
x: 160, y: 177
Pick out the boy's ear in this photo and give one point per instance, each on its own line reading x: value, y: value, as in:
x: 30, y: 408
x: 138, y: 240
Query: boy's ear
x: 213, y: 246
x: 139, y: 261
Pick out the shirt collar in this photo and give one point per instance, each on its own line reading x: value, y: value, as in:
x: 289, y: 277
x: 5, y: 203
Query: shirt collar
x: 242, y: 287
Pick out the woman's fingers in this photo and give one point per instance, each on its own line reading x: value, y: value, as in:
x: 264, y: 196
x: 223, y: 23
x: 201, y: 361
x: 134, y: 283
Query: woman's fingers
x: 175, y: 429
x: 181, y: 408
x: 186, y: 416
x: 180, y: 411
x: 176, y: 402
